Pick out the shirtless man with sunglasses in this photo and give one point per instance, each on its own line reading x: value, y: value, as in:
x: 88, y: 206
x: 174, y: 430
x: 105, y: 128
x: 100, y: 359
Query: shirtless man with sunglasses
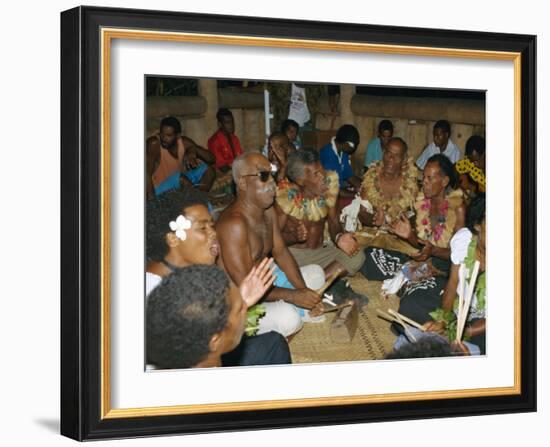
x: 248, y: 232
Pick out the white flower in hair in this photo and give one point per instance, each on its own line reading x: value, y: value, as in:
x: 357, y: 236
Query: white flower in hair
x: 179, y: 226
x: 273, y: 168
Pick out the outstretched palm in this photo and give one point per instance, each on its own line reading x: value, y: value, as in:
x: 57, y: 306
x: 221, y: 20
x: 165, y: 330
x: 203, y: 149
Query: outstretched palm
x: 257, y: 282
x: 402, y: 228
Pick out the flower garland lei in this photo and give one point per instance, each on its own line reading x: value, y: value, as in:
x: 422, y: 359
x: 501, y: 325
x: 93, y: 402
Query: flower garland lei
x: 441, y: 234
x: 371, y: 191
x: 293, y: 203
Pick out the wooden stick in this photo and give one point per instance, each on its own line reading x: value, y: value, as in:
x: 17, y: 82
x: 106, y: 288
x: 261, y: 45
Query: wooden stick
x: 462, y: 309
x: 407, y: 319
x: 340, y: 306
x: 408, y: 333
x: 460, y: 289
x: 328, y: 282
x: 469, y: 288
x: 468, y: 300
x: 386, y: 316
x: 399, y: 321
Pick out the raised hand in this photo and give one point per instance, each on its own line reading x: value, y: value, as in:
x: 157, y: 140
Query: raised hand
x: 257, y: 282
x: 402, y: 228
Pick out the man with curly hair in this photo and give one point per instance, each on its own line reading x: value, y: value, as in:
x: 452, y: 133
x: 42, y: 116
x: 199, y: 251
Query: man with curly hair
x: 193, y: 317
x: 181, y: 233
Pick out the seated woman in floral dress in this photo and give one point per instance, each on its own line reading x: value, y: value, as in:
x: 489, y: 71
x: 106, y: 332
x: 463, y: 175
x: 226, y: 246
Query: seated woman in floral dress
x: 439, y: 212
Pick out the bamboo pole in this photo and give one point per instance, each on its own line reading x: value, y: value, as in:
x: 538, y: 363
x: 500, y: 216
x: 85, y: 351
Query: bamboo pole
x: 468, y: 300
x: 407, y: 320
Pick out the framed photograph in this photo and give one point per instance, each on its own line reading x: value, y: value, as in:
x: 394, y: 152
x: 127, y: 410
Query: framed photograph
x: 123, y: 72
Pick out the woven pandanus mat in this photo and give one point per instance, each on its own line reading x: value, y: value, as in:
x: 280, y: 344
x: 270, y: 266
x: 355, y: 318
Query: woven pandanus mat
x: 372, y: 340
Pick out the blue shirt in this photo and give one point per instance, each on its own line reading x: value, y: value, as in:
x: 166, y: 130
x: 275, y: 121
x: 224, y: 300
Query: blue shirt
x: 374, y: 152
x: 331, y: 162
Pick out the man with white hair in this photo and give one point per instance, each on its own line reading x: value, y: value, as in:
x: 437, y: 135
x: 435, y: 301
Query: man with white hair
x: 248, y: 232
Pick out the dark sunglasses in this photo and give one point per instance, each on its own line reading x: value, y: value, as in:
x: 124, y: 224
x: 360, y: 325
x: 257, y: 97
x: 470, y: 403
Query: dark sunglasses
x: 264, y: 175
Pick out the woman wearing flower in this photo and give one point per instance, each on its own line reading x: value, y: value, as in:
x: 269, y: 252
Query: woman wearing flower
x: 180, y: 232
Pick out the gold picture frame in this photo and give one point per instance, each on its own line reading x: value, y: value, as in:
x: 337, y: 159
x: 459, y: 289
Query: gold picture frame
x: 87, y: 37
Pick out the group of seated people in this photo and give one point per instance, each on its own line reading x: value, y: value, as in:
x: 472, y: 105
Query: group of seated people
x: 174, y: 160
x: 282, y: 237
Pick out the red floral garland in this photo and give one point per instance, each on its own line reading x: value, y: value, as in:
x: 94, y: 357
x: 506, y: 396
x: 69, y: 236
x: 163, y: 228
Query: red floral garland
x: 440, y: 227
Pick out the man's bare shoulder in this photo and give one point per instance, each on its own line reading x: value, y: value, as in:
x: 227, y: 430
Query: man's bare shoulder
x: 232, y: 218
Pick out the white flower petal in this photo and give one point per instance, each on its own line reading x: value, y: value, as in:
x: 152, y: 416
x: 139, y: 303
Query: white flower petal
x: 180, y: 221
x: 173, y: 226
x: 181, y: 234
x: 186, y: 224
